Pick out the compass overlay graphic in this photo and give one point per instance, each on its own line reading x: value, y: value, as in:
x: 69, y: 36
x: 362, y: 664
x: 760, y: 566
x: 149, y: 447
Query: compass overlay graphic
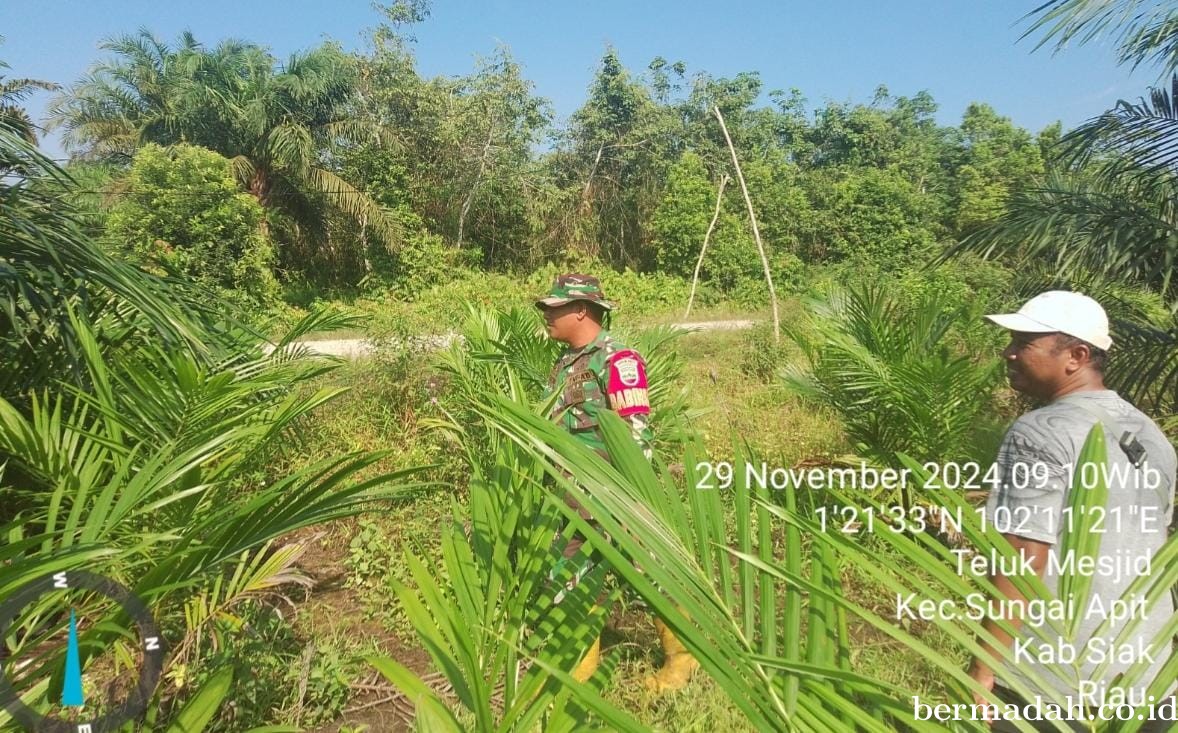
x: 150, y: 645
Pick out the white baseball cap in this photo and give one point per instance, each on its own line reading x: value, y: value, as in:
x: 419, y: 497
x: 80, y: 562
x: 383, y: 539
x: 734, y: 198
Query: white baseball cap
x: 1060, y: 311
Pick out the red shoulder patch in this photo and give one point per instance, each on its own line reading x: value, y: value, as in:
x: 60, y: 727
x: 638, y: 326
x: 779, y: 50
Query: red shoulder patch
x: 627, y: 390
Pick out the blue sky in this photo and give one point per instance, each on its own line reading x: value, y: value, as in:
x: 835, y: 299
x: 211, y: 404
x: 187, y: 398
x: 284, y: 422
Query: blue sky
x: 958, y: 50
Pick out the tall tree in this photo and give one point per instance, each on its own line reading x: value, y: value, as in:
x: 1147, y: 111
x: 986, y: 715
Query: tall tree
x: 752, y: 129
x: 996, y: 158
x: 1111, y: 207
x: 496, y: 121
x: 463, y: 164
x: 614, y: 157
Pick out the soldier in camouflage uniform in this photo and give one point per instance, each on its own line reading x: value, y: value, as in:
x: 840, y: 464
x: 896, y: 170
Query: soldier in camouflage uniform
x: 597, y: 373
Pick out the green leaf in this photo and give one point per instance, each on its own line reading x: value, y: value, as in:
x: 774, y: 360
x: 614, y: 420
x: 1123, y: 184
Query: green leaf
x: 198, y: 711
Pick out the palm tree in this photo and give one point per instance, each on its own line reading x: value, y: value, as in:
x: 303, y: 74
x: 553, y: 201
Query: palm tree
x: 1144, y: 32
x: 50, y: 273
x: 1110, y: 205
x: 127, y: 423
x: 12, y: 93
x: 119, y: 105
x: 891, y: 374
x: 274, y: 123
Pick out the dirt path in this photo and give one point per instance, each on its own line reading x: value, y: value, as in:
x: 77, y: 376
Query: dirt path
x: 359, y: 348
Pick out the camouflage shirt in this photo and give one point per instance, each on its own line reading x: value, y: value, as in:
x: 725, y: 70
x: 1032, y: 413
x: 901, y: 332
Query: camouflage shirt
x: 604, y: 375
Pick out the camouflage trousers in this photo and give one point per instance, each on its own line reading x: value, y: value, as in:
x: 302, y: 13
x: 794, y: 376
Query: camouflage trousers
x: 577, y: 558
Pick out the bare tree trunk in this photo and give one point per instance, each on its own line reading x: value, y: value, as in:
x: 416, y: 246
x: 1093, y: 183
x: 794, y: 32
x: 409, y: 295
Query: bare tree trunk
x: 474, y: 186
x: 592, y: 172
x: 699, y: 263
x: 259, y: 186
x: 756, y: 232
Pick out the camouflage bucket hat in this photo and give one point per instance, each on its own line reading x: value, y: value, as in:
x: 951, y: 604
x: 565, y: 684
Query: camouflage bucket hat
x: 567, y: 288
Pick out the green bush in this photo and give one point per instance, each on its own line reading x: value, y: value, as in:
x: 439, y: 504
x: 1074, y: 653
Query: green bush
x: 182, y: 212
x: 970, y: 285
x: 635, y: 293
x: 731, y: 264
x: 277, y: 677
x: 441, y: 307
x: 763, y: 359
x: 421, y: 262
x: 789, y: 278
x: 681, y: 219
x: 983, y: 284
x: 870, y: 214
x: 371, y: 556
x: 732, y: 255
x: 651, y: 293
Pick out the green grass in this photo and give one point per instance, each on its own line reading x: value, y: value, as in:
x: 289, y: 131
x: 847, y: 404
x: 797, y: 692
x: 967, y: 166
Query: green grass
x: 442, y: 308
x: 777, y: 425
x: 388, y: 399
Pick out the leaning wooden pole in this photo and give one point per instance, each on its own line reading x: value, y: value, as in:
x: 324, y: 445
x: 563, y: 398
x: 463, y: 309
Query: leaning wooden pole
x: 756, y: 232
x: 707, y: 236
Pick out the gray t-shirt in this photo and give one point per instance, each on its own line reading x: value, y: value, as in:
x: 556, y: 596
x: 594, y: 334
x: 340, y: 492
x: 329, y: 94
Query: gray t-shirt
x: 1035, y: 467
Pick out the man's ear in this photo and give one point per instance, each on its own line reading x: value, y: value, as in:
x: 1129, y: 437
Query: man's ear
x: 1081, y: 354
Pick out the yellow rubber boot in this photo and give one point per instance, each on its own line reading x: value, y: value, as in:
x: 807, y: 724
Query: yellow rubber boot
x: 677, y: 665
x: 588, y: 664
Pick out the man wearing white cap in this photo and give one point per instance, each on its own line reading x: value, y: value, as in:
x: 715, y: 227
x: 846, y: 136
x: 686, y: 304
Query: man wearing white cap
x: 1058, y: 345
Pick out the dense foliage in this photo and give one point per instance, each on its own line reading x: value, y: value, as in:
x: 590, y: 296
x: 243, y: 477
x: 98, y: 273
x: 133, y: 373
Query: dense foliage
x: 134, y: 435
x: 1106, y: 216
x: 272, y: 121
x: 348, y: 154
x: 182, y: 212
